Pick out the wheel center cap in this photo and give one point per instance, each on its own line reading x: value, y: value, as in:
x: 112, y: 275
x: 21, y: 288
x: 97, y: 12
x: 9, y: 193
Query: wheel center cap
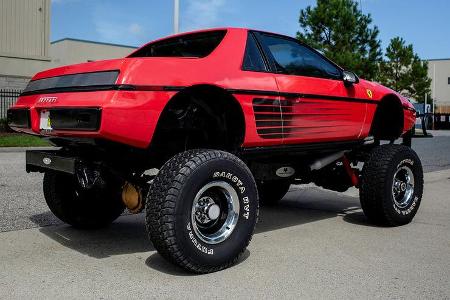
x: 206, y: 210
x: 213, y: 211
x: 403, y: 186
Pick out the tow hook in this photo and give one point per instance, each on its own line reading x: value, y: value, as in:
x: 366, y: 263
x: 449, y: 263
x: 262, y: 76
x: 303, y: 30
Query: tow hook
x: 352, y: 173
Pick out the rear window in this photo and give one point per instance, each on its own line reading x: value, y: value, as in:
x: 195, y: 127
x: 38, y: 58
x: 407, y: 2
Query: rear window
x: 189, y: 45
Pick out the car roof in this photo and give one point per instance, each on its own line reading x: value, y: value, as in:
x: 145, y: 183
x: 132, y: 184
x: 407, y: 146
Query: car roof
x: 228, y: 29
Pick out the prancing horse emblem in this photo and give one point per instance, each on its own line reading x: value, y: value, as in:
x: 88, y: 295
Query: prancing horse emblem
x: 369, y: 93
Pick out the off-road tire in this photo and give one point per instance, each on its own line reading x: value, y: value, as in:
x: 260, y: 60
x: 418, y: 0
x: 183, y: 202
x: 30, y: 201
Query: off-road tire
x: 91, y: 209
x: 271, y: 192
x: 169, y: 206
x: 376, y: 189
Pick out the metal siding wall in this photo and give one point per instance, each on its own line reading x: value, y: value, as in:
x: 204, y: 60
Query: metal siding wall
x: 24, y: 28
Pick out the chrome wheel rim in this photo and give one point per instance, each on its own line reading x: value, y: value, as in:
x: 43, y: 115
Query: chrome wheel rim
x: 215, y: 212
x: 403, y: 187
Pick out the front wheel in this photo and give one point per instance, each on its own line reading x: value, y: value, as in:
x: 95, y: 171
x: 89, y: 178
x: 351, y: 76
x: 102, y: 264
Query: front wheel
x: 391, y: 185
x: 202, y: 209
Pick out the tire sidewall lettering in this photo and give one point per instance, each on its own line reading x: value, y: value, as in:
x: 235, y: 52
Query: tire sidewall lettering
x: 245, y: 212
x: 240, y: 188
x: 409, y: 209
x: 197, y: 244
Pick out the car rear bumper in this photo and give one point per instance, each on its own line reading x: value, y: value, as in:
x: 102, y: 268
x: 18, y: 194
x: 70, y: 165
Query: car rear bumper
x: 125, y: 117
x: 62, y: 119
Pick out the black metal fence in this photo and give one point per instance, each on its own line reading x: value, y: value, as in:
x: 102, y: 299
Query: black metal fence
x: 7, y: 99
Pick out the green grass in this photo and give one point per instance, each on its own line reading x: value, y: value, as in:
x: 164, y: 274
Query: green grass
x: 21, y: 140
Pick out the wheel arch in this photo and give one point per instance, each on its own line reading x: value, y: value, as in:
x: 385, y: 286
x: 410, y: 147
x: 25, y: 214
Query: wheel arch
x: 222, y: 108
x: 388, y: 120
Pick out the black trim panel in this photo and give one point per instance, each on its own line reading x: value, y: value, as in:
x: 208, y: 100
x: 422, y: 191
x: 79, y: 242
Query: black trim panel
x: 78, y: 80
x: 19, y: 117
x: 79, y: 119
x: 300, y: 95
x: 253, y: 92
x: 270, y: 111
x: 91, y: 88
x: 300, y: 149
x: 109, y: 87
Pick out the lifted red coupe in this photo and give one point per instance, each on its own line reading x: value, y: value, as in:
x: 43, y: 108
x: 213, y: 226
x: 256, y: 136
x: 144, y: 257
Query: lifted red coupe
x: 199, y: 128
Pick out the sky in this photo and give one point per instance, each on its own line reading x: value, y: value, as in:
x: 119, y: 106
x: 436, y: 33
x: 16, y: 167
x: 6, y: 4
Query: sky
x: 425, y: 24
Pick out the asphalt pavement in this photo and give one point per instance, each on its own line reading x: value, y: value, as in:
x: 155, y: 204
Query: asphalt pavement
x: 316, y: 244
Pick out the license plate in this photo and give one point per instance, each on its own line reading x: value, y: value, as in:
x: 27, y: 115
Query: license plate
x: 45, y: 122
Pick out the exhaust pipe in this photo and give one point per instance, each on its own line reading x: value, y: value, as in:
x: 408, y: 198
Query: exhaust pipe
x: 325, y: 161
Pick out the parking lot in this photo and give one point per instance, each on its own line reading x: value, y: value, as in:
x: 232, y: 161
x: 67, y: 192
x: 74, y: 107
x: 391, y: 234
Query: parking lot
x: 316, y: 244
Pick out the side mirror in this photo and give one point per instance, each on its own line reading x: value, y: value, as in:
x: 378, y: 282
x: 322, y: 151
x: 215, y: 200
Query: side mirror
x: 349, y: 78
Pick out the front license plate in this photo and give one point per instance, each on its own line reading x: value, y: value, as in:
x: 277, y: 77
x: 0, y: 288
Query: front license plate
x: 45, y: 122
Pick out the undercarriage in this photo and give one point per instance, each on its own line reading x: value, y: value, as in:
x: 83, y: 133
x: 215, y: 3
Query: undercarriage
x: 201, y: 205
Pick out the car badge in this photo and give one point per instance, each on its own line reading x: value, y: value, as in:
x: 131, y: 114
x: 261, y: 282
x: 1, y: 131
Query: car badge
x: 47, y: 100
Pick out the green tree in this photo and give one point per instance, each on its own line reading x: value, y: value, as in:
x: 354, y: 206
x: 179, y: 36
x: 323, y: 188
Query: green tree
x: 344, y: 34
x: 404, y: 72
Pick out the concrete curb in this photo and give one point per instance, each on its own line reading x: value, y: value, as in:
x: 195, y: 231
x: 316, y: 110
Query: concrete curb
x: 23, y: 149
x: 439, y: 132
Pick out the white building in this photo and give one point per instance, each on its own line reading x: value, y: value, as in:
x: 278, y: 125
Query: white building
x: 439, y: 72
x: 24, y: 40
x: 25, y: 47
x: 69, y: 51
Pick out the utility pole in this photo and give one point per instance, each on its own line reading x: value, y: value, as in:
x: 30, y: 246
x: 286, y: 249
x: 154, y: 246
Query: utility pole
x: 176, y: 16
x: 434, y: 88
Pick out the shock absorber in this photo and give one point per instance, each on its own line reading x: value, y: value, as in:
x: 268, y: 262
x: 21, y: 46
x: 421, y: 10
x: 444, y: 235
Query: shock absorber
x: 352, y: 173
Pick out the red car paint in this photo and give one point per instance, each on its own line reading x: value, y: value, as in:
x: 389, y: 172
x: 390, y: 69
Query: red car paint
x: 130, y: 116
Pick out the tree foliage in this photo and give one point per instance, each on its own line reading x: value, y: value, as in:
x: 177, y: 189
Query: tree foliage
x: 344, y: 34
x: 404, y: 72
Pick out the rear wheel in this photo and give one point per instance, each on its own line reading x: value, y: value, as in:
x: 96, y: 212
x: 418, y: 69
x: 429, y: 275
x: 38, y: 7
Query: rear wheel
x: 271, y: 192
x: 202, y: 209
x: 391, y: 185
x: 87, y: 209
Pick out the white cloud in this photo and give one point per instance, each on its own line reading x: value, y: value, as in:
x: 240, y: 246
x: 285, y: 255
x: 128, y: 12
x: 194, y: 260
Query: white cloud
x: 135, y: 29
x: 119, y: 33
x: 203, y: 13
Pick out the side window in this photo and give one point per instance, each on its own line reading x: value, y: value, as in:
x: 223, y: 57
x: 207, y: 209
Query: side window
x: 295, y: 59
x: 253, y: 60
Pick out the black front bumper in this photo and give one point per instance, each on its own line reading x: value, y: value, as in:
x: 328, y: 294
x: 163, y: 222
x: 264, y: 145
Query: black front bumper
x: 41, y: 161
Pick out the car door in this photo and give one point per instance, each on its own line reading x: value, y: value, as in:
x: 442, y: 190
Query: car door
x: 316, y: 105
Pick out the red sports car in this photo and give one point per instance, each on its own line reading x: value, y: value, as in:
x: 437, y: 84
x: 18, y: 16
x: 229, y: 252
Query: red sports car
x: 227, y: 118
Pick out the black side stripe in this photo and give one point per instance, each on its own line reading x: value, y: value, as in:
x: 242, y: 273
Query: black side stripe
x: 127, y: 87
x: 299, y: 95
x: 254, y: 92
